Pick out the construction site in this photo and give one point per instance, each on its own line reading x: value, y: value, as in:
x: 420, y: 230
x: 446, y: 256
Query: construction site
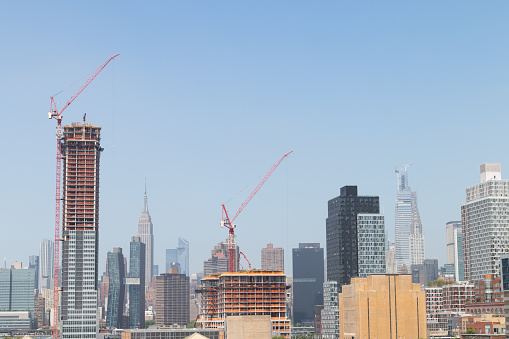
x: 251, y: 292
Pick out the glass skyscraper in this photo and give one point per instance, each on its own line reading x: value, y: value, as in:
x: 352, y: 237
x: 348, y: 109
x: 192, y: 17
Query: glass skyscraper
x: 178, y: 257
x: 46, y: 256
x: 408, y: 227
x: 136, y: 283
x: 116, y: 288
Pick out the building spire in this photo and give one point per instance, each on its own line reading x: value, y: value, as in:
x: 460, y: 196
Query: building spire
x: 145, y: 204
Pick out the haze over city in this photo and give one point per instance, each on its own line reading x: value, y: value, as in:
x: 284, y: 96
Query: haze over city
x: 205, y: 97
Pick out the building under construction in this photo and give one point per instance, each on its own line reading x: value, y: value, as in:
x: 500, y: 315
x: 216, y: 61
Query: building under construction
x: 81, y: 150
x: 251, y: 292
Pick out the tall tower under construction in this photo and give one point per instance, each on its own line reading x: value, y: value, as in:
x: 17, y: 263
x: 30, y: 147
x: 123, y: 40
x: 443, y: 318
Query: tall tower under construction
x: 81, y: 150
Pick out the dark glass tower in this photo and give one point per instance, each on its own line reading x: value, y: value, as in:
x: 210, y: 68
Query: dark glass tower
x: 341, y: 237
x: 136, y: 282
x: 116, y: 288
x: 307, y: 282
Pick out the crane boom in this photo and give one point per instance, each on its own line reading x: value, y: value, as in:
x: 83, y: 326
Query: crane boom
x: 228, y: 223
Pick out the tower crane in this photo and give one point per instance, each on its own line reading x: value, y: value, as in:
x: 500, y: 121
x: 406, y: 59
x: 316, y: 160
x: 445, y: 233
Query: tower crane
x: 228, y: 223
x: 55, y: 114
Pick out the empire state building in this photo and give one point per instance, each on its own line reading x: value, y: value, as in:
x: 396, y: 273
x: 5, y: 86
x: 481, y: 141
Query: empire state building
x: 146, y: 234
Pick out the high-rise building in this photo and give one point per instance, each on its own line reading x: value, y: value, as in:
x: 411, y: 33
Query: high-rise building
x: 382, y: 306
x: 456, y: 296
x: 485, y: 224
x: 81, y: 150
x: 172, y: 298
x: 136, y: 283
x: 218, y: 262
x: 504, y: 275
x: 390, y: 258
x: 330, y: 312
x: 370, y: 244
x: 409, y: 236
x: 46, y: 253
x: 146, y: 234
x: 307, y: 282
x: 33, y: 262
x: 244, y: 293
x: 341, y: 233
x: 450, y: 227
x: 17, y: 291
x: 273, y: 258
x: 116, y: 298
x: 178, y: 257
x: 459, y: 264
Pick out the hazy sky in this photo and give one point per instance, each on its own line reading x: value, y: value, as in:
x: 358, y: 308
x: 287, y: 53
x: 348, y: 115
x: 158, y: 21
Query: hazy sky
x: 206, y: 96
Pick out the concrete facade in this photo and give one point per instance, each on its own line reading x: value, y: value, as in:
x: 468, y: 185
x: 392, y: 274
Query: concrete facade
x: 249, y: 327
x: 382, y: 306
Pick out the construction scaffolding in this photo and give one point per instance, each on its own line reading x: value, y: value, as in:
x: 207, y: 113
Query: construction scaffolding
x: 251, y: 292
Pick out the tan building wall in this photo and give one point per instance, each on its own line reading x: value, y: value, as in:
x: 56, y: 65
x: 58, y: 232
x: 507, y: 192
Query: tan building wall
x: 249, y: 327
x: 382, y: 306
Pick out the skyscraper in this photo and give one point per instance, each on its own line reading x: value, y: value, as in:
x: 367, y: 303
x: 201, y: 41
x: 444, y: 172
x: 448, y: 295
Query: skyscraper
x: 136, y: 283
x: 17, y: 290
x: 46, y: 264
x: 459, y: 264
x: 485, y: 224
x: 342, y: 235
x: 307, y: 282
x: 371, y: 244
x: 33, y: 262
x: 116, y: 288
x: 449, y: 237
x: 178, y: 257
x: 409, y: 236
x: 273, y: 258
x: 81, y: 151
x: 146, y: 234
x: 218, y: 262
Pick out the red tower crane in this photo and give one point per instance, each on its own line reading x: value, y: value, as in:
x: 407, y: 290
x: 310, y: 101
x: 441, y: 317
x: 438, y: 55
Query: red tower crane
x: 55, y: 114
x: 228, y: 223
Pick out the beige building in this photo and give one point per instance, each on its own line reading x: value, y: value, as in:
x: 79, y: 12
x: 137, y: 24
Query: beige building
x: 249, y: 327
x: 382, y: 306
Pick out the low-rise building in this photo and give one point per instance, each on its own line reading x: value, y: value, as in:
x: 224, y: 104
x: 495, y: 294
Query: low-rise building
x: 489, y: 324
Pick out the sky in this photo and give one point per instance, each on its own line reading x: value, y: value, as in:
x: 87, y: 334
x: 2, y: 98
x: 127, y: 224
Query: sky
x: 207, y: 95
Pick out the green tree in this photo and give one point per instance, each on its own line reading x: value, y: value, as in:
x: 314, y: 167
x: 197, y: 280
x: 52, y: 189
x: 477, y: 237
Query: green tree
x: 149, y: 323
x: 191, y: 324
x: 470, y: 330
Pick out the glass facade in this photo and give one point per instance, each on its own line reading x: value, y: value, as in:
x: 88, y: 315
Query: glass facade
x: 17, y: 291
x: 341, y: 233
x: 136, y: 284
x: 46, y: 254
x: 308, y: 277
x: 371, y: 244
x: 116, y: 289
x: 178, y: 257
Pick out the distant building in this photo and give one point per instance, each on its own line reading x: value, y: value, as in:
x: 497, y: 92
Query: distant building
x: 489, y: 289
x: 116, y: 289
x: 136, y: 283
x: 46, y: 253
x: 218, y: 262
x: 456, y: 296
x: 372, y: 307
x: 391, y: 266
x: 409, y: 236
x: 484, y: 225
x: 17, y: 292
x: 425, y: 272
x: 307, y: 282
x: 450, y: 227
x: 172, y: 299
x: 341, y: 233
x: 244, y: 293
x: 330, y: 312
x: 273, y: 258
x: 178, y: 257
x: 146, y: 234
x: 459, y: 264
x: 33, y: 262
x: 370, y: 244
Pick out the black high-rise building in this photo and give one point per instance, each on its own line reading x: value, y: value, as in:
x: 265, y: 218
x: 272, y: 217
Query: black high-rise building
x: 308, y: 274
x: 341, y: 236
x: 136, y: 284
x: 116, y: 288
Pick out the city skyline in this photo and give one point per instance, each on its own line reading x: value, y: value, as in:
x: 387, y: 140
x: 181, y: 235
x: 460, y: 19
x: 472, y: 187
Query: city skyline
x: 311, y: 80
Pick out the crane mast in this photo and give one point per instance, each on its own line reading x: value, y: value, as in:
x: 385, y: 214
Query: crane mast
x: 55, y: 114
x: 228, y: 223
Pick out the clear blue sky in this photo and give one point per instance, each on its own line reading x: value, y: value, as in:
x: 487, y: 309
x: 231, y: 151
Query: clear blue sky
x: 206, y: 96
